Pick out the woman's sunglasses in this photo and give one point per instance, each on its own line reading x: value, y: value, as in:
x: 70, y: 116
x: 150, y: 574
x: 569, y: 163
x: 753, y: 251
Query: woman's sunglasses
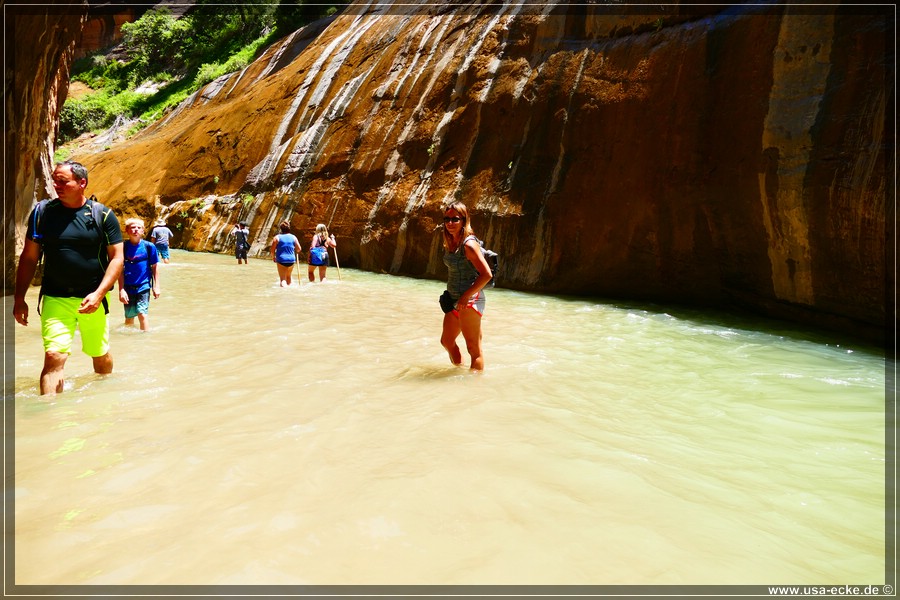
x: 452, y: 219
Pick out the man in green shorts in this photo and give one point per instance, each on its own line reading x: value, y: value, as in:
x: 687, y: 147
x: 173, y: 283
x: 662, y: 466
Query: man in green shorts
x: 83, y: 257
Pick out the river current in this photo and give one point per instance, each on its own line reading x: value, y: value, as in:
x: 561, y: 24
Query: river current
x: 319, y: 435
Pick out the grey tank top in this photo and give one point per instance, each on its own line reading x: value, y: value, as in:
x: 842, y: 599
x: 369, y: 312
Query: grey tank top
x: 462, y: 273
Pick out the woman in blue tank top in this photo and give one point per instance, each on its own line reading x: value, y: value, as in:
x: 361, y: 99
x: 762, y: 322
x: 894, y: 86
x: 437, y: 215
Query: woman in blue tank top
x: 285, y: 248
x: 468, y: 273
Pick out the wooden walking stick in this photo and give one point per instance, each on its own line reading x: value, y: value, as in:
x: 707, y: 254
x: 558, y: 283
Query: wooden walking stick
x: 336, y: 261
x: 299, y: 275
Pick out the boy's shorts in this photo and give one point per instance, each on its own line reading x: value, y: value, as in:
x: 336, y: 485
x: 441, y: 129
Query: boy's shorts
x: 59, y: 317
x: 138, y: 303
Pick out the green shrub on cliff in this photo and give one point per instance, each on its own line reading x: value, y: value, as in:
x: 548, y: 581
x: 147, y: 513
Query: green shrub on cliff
x: 102, y: 73
x: 157, y: 42
x: 95, y: 111
x: 211, y: 71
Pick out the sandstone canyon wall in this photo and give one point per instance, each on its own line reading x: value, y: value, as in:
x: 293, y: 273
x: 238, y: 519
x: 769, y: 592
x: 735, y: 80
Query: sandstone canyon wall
x: 39, y: 44
x: 103, y: 27
x: 736, y: 156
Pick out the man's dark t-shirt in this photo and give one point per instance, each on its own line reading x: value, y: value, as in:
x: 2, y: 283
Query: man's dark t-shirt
x: 73, y: 246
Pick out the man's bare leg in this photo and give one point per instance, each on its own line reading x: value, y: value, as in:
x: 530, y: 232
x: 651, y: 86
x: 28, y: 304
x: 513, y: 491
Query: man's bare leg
x: 52, y: 375
x: 103, y: 365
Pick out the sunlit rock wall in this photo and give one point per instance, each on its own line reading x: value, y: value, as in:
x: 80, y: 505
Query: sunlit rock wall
x: 737, y: 157
x: 39, y: 45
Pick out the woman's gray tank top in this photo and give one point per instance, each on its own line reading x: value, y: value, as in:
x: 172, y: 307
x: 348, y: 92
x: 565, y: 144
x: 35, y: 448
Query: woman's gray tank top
x: 462, y: 274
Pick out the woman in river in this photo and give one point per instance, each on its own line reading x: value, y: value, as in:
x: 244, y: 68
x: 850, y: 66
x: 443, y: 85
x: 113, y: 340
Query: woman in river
x: 285, y: 249
x: 463, y: 301
x: 318, y: 252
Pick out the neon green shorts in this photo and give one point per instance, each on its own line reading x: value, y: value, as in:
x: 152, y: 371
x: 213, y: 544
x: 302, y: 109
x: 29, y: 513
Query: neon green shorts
x: 59, y: 317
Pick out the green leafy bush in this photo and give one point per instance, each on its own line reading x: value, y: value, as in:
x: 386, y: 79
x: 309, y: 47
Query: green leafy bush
x: 158, y: 42
x: 94, y: 112
x: 61, y: 155
x: 81, y: 115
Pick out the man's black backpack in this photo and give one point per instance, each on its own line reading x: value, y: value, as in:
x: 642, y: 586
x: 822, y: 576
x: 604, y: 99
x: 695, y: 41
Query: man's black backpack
x: 241, y: 237
x: 98, y: 213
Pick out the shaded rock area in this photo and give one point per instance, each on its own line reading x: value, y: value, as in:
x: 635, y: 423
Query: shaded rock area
x: 103, y: 27
x: 739, y: 157
x: 40, y: 43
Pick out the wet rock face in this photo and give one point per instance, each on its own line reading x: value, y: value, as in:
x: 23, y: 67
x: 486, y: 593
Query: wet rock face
x: 700, y: 158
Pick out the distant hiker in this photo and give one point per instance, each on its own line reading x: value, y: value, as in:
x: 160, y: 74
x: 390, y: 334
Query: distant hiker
x: 82, y: 247
x: 241, y: 236
x: 318, y: 252
x: 160, y: 236
x: 468, y: 272
x: 139, y: 276
x: 285, y: 249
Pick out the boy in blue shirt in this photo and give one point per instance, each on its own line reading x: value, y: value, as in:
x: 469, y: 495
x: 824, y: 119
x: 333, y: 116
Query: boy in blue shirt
x: 140, y: 276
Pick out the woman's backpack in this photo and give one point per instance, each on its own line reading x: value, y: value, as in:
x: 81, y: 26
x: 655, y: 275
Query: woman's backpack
x: 492, y: 258
x: 318, y: 256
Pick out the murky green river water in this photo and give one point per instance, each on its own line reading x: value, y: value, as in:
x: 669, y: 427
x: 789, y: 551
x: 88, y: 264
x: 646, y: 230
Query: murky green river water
x: 319, y: 435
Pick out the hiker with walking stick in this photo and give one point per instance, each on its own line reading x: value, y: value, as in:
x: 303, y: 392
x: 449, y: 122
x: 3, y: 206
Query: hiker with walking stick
x: 318, y: 252
x: 285, y: 248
